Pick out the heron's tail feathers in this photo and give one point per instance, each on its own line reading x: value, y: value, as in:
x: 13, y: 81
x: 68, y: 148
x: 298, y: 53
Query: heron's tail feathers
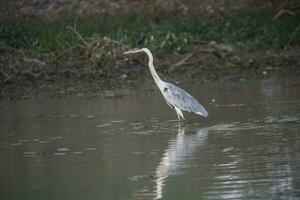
x: 203, y: 113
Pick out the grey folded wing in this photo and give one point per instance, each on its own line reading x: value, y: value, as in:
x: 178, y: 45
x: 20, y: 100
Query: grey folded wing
x: 176, y: 96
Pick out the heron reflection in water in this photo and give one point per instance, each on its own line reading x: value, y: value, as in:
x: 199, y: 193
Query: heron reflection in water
x: 175, y: 97
x: 179, y: 150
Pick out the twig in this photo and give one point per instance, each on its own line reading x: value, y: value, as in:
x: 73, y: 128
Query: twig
x: 116, y: 42
x: 282, y: 12
x: 189, y: 63
x: 7, y: 76
x: 67, y: 50
x: 78, y: 35
x: 293, y: 35
x: 36, y: 61
x: 183, y: 61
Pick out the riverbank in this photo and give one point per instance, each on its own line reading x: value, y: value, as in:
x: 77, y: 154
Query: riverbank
x: 42, y: 57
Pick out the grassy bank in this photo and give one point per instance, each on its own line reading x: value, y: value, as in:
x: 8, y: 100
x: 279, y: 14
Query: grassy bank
x: 253, y: 31
x: 45, y: 55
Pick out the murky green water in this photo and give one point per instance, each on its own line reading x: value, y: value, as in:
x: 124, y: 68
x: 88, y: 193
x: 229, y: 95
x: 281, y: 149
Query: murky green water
x: 133, y: 148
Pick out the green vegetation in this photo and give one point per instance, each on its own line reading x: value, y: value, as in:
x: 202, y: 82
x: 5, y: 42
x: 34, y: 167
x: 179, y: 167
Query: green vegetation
x: 248, y: 32
x: 66, y: 52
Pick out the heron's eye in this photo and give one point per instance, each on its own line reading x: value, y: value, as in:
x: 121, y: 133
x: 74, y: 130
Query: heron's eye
x: 140, y: 46
x: 165, y: 89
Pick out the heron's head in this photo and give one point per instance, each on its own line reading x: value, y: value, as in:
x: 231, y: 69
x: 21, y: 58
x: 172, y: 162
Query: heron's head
x: 135, y: 50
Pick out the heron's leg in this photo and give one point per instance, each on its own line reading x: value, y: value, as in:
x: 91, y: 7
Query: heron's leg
x: 179, y: 113
x: 178, y: 117
x: 183, y: 117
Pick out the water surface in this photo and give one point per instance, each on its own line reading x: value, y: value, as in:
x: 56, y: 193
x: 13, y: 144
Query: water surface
x: 132, y: 147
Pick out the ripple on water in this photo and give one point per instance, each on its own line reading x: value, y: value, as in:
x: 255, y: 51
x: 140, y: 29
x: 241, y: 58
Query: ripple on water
x: 90, y: 149
x: 103, y: 125
x: 27, y: 154
x: 55, y: 138
x: 139, y: 132
x: 90, y: 116
x: 153, y: 120
x: 23, y: 140
x: 230, y: 105
x: 60, y: 153
x: 62, y: 149
x: 140, y: 177
x: 282, y: 119
x: 228, y: 149
x: 44, y: 141
x: 73, y: 115
x: 138, y: 127
x: 137, y: 153
x: 16, y: 144
x: 135, y: 124
x: 117, y: 121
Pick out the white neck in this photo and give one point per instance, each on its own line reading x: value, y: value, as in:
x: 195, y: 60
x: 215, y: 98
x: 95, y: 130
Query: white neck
x: 151, y: 67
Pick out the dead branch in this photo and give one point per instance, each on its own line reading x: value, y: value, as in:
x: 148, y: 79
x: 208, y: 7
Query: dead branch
x: 283, y: 12
x: 288, y: 7
x: 7, y: 76
x: 182, y: 61
x: 78, y: 35
x: 35, y: 61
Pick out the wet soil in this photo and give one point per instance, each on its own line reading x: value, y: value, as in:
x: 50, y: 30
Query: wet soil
x: 199, y: 66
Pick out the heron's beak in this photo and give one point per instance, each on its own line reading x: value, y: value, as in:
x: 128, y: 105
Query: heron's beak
x: 131, y: 51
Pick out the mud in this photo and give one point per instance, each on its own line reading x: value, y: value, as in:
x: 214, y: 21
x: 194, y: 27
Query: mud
x: 194, y: 67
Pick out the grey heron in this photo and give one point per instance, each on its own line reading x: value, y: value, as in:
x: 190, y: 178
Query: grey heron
x: 175, y: 97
